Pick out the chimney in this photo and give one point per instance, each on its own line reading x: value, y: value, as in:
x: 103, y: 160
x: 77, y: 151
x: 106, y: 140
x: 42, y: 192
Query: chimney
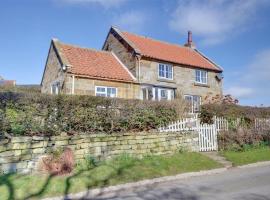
x: 190, y: 43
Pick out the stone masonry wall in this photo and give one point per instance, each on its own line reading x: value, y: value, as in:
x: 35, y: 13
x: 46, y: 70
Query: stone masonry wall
x: 86, y: 86
x: 53, y: 72
x: 183, y: 80
x: 21, y: 154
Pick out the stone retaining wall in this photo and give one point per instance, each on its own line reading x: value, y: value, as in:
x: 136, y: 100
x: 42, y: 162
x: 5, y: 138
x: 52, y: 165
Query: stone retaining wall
x: 21, y: 154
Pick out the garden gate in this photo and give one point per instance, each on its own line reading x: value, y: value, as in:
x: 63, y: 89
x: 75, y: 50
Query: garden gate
x: 207, y: 133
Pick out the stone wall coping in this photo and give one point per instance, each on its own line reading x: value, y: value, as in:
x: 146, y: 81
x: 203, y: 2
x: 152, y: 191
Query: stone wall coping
x: 23, y: 139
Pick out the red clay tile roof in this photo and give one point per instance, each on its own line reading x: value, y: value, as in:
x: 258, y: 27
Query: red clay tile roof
x: 93, y: 63
x: 168, y: 52
x: 7, y: 83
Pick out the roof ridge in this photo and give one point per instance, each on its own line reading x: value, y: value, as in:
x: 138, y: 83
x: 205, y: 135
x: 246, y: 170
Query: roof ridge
x: 156, y: 40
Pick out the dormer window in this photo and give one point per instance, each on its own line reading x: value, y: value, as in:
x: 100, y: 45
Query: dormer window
x: 165, y: 71
x: 201, y: 76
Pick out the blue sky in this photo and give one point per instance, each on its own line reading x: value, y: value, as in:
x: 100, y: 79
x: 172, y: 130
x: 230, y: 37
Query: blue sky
x: 233, y: 33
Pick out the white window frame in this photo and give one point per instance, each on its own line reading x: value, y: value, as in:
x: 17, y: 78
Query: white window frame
x: 201, y: 79
x: 156, y: 93
x: 57, y: 89
x: 165, y: 71
x: 170, y: 94
x: 106, y: 91
x: 192, y: 102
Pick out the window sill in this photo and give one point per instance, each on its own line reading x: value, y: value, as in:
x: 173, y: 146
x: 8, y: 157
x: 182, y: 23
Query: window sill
x: 166, y: 80
x: 201, y: 85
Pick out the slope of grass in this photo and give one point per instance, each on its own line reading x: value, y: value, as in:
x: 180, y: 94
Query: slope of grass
x: 249, y: 156
x: 90, y: 175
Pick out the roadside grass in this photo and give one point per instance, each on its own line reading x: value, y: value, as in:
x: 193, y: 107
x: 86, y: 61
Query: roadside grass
x: 90, y: 174
x: 250, y: 155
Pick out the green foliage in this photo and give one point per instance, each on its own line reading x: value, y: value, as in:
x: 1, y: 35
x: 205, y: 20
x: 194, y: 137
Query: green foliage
x: 206, y: 116
x: 229, y: 111
x: 242, y: 139
x: 121, y: 169
x: 37, y: 114
x: 250, y: 155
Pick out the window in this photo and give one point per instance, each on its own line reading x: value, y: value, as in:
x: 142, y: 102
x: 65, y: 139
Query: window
x: 165, y: 71
x: 55, y: 88
x: 194, y: 103
x: 147, y: 93
x: 201, y: 76
x: 164, y: 94
x: 156, y: 93
x: 106, y: 91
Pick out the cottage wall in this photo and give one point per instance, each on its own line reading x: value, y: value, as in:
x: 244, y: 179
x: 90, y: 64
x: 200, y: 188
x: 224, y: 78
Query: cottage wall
x: 86, y: 86
x: 183, y: 79
x: 53, y: 72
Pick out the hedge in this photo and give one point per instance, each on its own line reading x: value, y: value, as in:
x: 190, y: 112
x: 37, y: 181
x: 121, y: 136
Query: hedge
x: 231, y: 112
x: 38, y: 114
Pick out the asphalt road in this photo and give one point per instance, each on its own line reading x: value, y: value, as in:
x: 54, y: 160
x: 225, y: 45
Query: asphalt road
x: 249, y: 184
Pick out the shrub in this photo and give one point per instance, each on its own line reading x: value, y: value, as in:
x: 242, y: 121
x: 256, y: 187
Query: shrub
x: 59, y: 162
x: 230, y: 111
x: 242, y: 139
x: 37, y: 114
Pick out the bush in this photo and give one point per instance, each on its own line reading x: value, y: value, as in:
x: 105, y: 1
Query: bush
x: 242, y: 139
x: 37, y: 114
x: 230, y: 111
x: 59, y: 162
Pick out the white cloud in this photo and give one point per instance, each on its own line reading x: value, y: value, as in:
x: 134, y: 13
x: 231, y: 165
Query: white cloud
x: 254, y: 80
x: 104, y: 3
x: 131, y: 20
x: 240, y: 92
x: 214, y: 21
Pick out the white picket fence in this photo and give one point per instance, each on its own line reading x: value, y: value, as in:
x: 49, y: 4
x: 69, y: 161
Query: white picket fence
x: 208, y: 133
x: 262, y: 124
x: 221, y: 123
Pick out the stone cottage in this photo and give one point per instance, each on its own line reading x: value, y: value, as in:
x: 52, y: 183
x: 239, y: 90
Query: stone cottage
x: 134, y: 67
x: 75, y: 70
x: 4, y: 82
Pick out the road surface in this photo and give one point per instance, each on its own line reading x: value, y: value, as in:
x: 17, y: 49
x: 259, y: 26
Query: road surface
x: 247, y: 183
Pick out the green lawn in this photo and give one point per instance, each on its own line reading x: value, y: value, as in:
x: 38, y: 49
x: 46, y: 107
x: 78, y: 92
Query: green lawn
x: 249, y: 156
x: 88, y: 175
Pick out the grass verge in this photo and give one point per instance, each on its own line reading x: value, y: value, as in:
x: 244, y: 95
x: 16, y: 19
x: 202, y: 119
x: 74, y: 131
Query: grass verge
x: 248, y: 156
x: 90, y: 174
